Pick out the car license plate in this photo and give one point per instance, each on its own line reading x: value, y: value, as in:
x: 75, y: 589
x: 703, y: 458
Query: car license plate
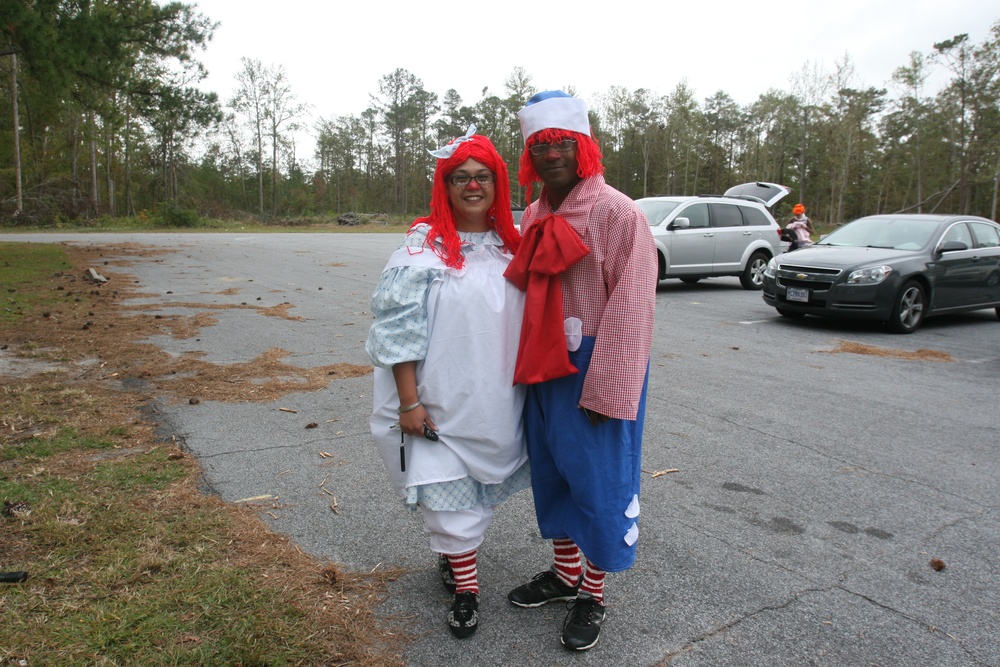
x: 797, y: 294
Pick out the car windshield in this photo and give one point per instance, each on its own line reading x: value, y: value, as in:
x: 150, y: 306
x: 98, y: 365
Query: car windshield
x: 884, y: 232
x: 656, y: 209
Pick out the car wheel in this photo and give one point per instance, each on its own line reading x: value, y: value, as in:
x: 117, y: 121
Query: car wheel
x: 690, y: 280
x: 784, y: 312
x: 753, y: 276
x: 998, y: 313
x: 908, y: 311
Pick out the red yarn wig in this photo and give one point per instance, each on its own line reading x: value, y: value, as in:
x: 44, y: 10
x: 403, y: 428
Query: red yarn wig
x: 442, y: 217
x: 588, y: 154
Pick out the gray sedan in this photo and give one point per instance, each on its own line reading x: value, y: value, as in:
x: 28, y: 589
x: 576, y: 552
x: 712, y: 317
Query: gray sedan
x: 896, y: 269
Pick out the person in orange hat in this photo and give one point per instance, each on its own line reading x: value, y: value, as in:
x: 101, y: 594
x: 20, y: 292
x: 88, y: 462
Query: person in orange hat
x: 801, y: 227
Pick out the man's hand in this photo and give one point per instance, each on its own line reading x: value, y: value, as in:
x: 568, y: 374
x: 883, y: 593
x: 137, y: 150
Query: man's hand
x: 594, y: 416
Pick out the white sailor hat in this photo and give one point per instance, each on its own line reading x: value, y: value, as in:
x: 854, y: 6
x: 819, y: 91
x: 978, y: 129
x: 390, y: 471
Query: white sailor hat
x: 553, y: 109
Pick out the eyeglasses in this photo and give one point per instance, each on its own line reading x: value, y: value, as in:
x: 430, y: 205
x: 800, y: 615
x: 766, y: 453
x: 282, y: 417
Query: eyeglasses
x: 461, y: 180
x: 564, y: 146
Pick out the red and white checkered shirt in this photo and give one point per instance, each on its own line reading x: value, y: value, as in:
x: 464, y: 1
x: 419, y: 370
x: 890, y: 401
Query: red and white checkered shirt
x: 612, y: 290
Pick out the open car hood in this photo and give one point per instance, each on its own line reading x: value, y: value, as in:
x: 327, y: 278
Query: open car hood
x: 768, y: 193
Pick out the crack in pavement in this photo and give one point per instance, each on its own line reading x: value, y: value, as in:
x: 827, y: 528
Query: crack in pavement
x: 690, y: 644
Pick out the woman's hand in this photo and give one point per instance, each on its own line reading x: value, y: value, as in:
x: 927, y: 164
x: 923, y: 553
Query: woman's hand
x: 412, y: 422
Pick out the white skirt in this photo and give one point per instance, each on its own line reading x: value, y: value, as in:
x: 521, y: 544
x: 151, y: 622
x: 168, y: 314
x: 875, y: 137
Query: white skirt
x: 465, y: 382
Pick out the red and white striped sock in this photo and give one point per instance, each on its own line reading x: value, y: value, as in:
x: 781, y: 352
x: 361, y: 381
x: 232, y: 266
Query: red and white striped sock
x: 463, y: 568
x: 593, y: 582
x: 567, y: 561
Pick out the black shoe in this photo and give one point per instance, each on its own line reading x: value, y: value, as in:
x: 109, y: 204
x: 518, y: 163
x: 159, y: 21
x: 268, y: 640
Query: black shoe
x: 464, y: 615
x: 447, y: 577
x: 543, y: 587
x: 582, y: 627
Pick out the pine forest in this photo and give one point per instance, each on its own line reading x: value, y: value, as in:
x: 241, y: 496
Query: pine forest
x: 101, y: 116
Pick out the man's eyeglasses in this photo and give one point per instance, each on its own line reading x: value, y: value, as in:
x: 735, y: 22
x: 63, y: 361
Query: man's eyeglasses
x: 564, y: 146
x: 461, y: 180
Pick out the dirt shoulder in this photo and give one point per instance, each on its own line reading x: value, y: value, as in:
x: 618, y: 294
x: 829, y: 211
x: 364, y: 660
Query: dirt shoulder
x: 74, y: 368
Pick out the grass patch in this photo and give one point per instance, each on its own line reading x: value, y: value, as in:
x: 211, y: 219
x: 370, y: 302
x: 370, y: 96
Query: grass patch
x: 37, y: 449
x: 22, y: 267
x: 111, y: 586
x: 129, y: 562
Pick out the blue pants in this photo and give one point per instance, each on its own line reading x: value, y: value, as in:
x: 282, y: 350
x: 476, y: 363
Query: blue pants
x: 585, y: 478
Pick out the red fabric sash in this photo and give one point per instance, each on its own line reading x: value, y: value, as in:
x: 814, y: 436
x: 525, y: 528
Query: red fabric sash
x: 549, y: 247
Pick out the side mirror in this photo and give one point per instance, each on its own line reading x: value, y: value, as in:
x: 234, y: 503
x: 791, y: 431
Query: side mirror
x: 951, y: 246
x: 679, y: 223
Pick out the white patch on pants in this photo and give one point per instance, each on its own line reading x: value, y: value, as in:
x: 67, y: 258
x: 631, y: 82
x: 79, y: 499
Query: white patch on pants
x: 633, y: 507
x: 632, y: 535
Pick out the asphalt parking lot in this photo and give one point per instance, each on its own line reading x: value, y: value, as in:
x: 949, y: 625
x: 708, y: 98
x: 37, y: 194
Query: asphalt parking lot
x: 812, y: 485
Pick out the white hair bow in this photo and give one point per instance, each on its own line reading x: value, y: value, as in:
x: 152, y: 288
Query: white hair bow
x: 447, y: 151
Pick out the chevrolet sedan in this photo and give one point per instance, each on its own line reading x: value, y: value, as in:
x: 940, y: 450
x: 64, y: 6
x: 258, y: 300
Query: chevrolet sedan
x: 896, y: 269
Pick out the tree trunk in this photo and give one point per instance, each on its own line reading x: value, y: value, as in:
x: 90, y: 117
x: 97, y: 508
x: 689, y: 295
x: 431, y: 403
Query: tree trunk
x: 646, y: 150
x: 75, y: 163
x: 260, y: 170
x: 95, y: 202
x: 174, y: 188
x: 274, y: 174
x: 920, y: 172
x: 17, y: 134
x: 803, y: 150
x: 109, y: 178
x: 996, y: 191
x: 129, y: 204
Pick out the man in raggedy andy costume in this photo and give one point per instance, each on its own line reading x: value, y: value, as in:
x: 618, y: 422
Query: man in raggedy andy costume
x: 587, y: 263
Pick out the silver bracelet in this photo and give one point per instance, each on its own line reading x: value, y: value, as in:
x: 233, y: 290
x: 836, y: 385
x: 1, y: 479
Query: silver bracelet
x: 416, y: 405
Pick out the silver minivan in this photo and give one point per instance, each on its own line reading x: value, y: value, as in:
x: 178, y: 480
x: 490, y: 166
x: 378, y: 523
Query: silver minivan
x: 716, y: 235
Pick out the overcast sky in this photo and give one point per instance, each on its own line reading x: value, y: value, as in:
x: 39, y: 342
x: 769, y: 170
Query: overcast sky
x: 334, y: 53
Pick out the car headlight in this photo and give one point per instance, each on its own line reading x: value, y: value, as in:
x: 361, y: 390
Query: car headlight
x: 872, y: 275
x: 772, y: 266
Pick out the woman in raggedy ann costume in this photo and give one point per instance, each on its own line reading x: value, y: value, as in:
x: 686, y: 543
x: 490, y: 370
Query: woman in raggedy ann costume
x: 447, y: 416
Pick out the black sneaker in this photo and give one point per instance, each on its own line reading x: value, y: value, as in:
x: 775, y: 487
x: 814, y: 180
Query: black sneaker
x: 447, y: 577
x: 543, y: 587
x: 582, y: 627
x: 464, y: 615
